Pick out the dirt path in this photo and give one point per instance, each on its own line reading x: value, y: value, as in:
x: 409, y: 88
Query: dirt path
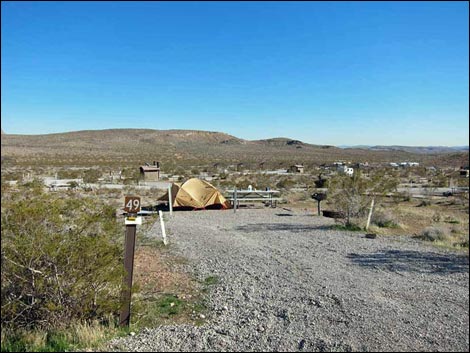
x: 287, y: 282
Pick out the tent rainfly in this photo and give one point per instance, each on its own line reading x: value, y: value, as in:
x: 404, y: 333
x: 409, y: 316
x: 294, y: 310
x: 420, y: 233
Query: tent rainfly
x: 196, y: 193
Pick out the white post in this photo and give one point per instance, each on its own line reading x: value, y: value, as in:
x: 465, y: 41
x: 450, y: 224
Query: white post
x: 370, y: 213
x: 165, y: 241
x: 170, y: 199
x: 235, y: 200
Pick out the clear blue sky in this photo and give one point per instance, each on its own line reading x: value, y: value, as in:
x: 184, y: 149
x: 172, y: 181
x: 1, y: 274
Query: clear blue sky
x: 330, y: 73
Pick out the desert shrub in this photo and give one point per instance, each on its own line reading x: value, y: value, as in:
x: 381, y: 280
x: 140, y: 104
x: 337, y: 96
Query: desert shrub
x: 346, y: 194
x: 244, y: 183
x: 61, y: 261
x: 91, y: 176
x: 424, y: 203
x: 449, y: 219
x: 73, y: 184
x: 436, y: 217
x: 12, y: 175
x: 439, y: 180
x: 69, y: 174
x: 384, y: 219
x: 464, y: 242
x: 321, y: 183
x: 284, y: 183
x: 434, y: 234
x: 129, y: 181
x: 406, y: 196
x: 351, y: 226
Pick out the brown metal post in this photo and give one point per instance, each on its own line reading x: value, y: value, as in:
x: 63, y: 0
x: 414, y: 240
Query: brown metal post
x: 129, y: 247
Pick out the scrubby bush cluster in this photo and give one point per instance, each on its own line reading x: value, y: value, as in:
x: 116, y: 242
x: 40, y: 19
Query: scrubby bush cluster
x: 434, y: 234
x: 384, y: 219
x: 61, y: 260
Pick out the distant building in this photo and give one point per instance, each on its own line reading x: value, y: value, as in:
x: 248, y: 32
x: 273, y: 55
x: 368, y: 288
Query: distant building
x: 464, y: 172
x: 361, y: 165
x: 409, y: 164
x: 343, y: 169
x: 150, y: 172
x: 297, y: 168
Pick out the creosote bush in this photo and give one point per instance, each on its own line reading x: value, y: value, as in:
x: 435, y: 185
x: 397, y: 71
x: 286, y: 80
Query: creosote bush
x: 61, y: 260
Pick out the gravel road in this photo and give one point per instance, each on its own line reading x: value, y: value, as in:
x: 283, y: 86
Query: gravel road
x: 287, y: 282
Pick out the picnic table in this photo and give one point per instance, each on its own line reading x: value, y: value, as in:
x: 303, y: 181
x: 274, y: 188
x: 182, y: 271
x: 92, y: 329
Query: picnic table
x: 245, y: 196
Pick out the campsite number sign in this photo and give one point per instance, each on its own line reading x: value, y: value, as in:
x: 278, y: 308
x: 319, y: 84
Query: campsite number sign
x: 132, y: 204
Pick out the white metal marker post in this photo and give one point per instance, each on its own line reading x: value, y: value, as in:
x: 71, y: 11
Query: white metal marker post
x: 370, y: 213
x: 165, y: 241
x: 170, y: 200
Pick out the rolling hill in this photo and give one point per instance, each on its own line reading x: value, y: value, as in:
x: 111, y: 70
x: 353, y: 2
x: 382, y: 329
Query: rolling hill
x: 191, y: 147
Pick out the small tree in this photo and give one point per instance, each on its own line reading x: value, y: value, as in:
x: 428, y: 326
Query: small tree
x: 353, y: 194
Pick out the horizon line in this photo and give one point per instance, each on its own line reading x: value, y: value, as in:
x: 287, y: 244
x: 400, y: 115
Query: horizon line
x: 220, y: 132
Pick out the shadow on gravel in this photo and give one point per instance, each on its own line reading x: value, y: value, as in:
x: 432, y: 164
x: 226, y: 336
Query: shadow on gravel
x: 412, y: 261
x: 295, y: 228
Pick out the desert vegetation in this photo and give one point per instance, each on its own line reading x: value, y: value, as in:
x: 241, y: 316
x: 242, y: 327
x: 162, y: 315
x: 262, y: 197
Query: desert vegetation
x: 62, y: 248
x: 62, y: 270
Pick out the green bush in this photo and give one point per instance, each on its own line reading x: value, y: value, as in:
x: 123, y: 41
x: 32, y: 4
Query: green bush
x: 351, y: 227
x: 60, y: 259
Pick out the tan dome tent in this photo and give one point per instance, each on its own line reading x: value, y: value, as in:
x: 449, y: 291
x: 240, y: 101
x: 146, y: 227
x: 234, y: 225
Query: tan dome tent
x: 196, y: 193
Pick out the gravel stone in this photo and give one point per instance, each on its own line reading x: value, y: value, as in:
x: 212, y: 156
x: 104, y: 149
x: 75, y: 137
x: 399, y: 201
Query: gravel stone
x: 294, y: 284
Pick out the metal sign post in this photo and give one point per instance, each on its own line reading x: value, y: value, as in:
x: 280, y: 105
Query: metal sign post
x: 319, y: 196
x: 132, y: 207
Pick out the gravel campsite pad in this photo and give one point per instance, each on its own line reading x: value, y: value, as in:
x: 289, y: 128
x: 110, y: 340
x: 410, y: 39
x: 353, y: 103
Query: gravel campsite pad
x: 287, y: 281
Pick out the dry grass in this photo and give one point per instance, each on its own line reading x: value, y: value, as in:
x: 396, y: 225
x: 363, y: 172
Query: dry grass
x: 167, y: 294
x: 157, y: 272
x: 451, y: 220
x: 78, y: 337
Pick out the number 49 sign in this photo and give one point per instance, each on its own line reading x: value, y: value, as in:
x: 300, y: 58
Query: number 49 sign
x: 132, y: 204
